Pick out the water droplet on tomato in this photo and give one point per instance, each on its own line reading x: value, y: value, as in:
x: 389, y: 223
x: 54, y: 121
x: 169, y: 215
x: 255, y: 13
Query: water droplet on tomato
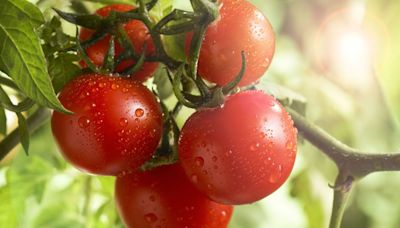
x: 150, y: 217
x: 254, y: 146
x: 289, y: 145
x: 195, y: 178
x: 214, y: 158
x: 199, y: 161
x: 276, y: 175
x: 270, y: 145
x: 123, y: 122
x: 223, y: 213
x: 114, y: 86
x: 84, y: 122
x: 139, y: 112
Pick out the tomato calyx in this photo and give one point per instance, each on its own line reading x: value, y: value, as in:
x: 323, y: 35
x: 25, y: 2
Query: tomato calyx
x: 205, y: 11
x: 210, y: 96
x: 167, y: 151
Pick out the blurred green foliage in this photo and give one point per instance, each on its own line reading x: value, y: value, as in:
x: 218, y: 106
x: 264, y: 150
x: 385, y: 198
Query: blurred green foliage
x: 43, y: 191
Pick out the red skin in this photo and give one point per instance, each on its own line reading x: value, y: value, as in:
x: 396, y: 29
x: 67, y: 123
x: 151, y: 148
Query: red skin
x: 137, y: 32
x: 163, y: 197
x: 115, y: 128
x: 240, y: 27
x: 239, y: 153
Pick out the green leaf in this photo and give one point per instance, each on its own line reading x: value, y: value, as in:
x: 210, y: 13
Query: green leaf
x: 23, y: 132
x: 3, y: 121
x: 55, y: 39
x: 23, y: 59
x: 62, y: 70
x: 24, y: 11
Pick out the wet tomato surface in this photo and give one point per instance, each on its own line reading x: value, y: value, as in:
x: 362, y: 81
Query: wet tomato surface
x: 116, y: 125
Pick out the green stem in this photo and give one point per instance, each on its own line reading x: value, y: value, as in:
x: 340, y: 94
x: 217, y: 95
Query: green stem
x: 341, y: 195
x: 355, y: 162
x: 352, y: 164
x: 7, y: 82
x: 195, y: 47
x: 33, y: 123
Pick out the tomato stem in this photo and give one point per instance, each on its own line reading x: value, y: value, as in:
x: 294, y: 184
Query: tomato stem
x: 352, y: 164
x: 36, y: 120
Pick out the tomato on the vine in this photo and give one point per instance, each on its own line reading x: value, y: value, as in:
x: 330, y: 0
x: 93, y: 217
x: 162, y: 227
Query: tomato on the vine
x: 137, y: 33
x: 115, y: 128
x: 240, y: 27
x: 241, y: 152
x: 164, y: 197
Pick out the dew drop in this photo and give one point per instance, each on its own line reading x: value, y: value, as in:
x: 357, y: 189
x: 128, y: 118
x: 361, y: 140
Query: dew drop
x: 223, y: 213
x: 289, y: 145
x: 199, y: 161
x: 150, y: 217
x: 254, y: 147
x: 114, y: 86
x: 84, y: 122
x: 139, y: 112
x: 276, y: 175
x: 195, y: 178
x: 123, y: 122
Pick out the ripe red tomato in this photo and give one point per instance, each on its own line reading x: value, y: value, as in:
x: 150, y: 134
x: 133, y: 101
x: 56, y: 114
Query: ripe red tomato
x: 241, y: 152
x: 240, y: 27
x: 138, y: 34
x: 163, y: 197
x: 115, y: 128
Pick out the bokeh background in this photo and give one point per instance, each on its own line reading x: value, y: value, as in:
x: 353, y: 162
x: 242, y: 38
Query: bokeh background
x: 338, y: 57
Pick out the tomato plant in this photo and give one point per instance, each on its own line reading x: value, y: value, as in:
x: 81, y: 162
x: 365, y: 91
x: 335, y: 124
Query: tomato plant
x: 138, y: 35
x: 241, y: 152
x: 115, y: 128
x: 163, y: 197
x: 240, y: 27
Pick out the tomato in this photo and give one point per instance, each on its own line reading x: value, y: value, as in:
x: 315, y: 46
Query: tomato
x: 116, y: 125
x: 164, y: 197
x: 240, y: 27
x: 138, y: 34
x: 241, y: 152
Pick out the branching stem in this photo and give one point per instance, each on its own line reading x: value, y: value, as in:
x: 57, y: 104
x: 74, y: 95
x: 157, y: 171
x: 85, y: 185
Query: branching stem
x: 352, y: 164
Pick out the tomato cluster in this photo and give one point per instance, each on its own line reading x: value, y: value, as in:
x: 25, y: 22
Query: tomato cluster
x: 232, y: 154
